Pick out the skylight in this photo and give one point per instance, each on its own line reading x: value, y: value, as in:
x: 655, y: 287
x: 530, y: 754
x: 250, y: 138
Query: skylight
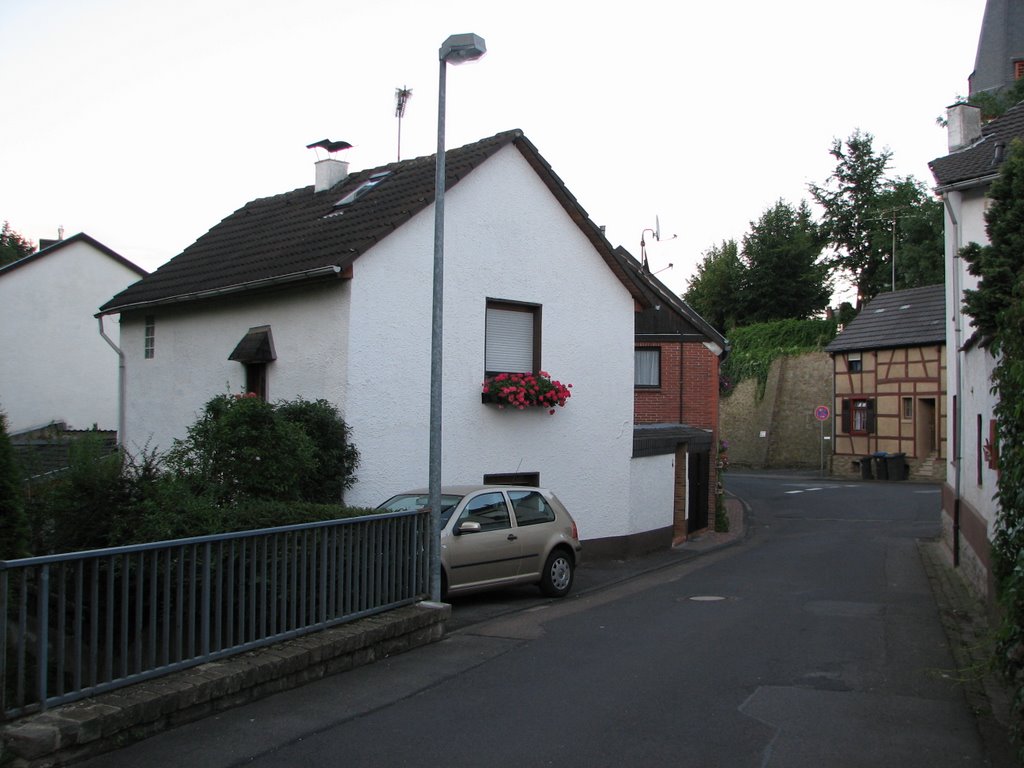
x: 362, y: 189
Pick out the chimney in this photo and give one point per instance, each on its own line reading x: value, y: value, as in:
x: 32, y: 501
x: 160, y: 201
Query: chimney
x: 329, y: 172
x: 963, y: 126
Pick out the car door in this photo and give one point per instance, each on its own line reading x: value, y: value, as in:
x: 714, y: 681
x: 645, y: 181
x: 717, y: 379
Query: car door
x: 535, y: 520
x: 488, y: 554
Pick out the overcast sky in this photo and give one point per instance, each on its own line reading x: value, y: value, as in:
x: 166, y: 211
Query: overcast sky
x: 145, y: 123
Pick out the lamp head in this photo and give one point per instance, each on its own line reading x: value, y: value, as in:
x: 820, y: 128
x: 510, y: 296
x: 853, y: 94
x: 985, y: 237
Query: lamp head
x: 459, y: 48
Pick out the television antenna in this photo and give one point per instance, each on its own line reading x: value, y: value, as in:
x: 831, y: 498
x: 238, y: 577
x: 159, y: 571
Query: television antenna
x: 643, y: 243
x: 402, y: 96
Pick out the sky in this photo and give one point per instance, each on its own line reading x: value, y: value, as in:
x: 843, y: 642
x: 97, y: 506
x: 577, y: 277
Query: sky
x: 143, y: 123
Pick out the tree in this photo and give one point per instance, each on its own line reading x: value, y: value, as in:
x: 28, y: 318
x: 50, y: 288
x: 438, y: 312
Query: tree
x: 713, y: 289
x: 997, y: 309
x: 784, y: 278
x: 860, y: 203
x: 12, y: 245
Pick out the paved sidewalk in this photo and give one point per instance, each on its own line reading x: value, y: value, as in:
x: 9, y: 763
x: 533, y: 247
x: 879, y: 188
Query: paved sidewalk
x: 971, y: 641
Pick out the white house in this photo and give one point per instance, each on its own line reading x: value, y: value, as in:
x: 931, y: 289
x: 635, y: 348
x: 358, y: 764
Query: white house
x: 325, y: 292
x: 976, y: 153
x: 56, y: 366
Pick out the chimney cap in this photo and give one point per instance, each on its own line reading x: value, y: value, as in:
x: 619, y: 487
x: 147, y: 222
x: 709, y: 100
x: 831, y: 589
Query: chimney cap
x: 330, y: 146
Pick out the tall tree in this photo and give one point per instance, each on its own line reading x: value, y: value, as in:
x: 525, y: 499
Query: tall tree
x: 713, y: 289
x: 784, y: 277
x: 12, y: 245
x: 860, y: 203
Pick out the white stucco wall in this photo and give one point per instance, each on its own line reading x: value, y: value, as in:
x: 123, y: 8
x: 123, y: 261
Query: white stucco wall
x: 652, y: 495
x: 507, y: 238
x: 975, y: 365
x: 56, y: 367
x: 190, y: 362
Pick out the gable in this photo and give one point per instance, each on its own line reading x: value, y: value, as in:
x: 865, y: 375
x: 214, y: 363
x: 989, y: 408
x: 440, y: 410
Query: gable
x: 62, y: 246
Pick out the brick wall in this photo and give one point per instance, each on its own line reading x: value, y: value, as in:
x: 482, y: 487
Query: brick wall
x: 689, y: 388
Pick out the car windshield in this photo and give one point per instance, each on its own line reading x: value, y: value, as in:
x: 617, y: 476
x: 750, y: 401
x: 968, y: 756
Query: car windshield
x: 412, y: 502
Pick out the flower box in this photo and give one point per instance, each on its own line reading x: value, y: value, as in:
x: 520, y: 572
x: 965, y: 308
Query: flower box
x: 525, y: 390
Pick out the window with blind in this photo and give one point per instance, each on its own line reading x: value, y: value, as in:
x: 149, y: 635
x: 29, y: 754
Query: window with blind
x: 512, y: 338
x: 647, y: 367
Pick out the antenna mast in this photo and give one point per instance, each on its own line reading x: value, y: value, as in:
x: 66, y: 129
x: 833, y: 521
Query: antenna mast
x: 401, y: 98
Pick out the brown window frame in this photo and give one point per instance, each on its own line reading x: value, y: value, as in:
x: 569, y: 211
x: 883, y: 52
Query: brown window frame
x: 516, y: 306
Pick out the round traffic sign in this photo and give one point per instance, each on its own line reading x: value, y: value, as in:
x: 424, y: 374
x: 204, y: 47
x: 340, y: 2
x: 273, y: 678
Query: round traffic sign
x: 821, y: 413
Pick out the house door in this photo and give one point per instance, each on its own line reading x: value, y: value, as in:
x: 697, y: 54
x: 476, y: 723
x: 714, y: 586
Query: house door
x: 698, y: 483
x: 926, y: 429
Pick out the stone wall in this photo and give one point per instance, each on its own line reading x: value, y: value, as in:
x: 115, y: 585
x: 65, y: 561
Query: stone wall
x: 778, y: 430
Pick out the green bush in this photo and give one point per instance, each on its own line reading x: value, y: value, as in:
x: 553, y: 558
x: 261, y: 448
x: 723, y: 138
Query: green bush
x: 244, y: 464
x: 335, y: 459
x: 13, y: 520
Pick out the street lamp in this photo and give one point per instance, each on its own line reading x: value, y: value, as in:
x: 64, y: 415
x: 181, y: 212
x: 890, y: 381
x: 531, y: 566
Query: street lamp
x: 456, y: 49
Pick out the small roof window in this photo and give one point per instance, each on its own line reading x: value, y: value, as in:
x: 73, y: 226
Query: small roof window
x: 362, y: 189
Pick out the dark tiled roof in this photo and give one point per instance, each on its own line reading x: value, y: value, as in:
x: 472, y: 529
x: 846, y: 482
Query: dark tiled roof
x: 908, y: 318
x: 982, y: 158
x: 292, y: 237
x: 59, y: 245
x: 659, y: 294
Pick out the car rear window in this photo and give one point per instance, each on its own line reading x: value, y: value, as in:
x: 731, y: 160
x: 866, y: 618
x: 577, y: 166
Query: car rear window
x: 531, y: 508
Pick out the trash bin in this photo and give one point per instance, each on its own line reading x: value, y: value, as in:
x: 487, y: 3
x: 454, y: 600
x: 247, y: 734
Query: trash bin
x: 897, y: 466
x: 865, y: 468
x: 881, y: 466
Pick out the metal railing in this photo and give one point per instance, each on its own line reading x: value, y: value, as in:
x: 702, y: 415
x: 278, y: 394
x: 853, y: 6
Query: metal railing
x: 82, y: 623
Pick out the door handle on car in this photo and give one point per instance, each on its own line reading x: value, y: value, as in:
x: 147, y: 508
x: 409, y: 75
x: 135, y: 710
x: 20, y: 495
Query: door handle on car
x: 512, y: 537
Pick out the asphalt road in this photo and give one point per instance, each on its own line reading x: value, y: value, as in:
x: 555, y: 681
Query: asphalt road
x: 814, y: 641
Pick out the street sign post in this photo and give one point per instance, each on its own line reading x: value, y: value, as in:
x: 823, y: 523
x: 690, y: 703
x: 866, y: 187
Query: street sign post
x: 822, y: 414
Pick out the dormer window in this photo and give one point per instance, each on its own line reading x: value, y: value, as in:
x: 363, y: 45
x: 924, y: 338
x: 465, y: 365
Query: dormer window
x: 361, y: 190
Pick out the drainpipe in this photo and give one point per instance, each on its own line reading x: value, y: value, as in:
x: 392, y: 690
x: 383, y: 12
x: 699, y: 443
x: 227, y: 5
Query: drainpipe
x: 958, y: 390
x: 120, y: 385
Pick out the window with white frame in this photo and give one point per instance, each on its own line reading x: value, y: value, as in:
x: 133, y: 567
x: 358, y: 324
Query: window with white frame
x: 511, y: 338
x: 149, y: 345
x: 854, y: 363
x: 647, y: 367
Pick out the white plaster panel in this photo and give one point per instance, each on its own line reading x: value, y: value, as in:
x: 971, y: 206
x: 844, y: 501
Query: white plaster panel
x: 56, y: 365
x: 190, y: 365
x: 652, y: 492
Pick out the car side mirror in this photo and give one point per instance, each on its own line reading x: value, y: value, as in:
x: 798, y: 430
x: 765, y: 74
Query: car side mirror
x: 467, y: 526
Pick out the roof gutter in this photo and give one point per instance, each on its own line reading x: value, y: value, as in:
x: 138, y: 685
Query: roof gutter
x: 333, y: 270
x: 957, y: 186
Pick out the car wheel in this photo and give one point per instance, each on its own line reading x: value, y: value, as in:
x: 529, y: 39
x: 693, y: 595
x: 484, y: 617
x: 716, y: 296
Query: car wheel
x: 556, y: 579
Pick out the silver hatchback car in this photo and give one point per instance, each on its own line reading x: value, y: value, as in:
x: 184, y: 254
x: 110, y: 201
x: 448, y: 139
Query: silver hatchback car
x: 497, y: 535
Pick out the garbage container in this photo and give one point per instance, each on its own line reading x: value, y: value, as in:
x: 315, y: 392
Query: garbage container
x: 881, y: 466
x: 865, y: 468
x: 897, y: 466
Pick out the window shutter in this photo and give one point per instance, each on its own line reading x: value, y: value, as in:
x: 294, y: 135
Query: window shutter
x: 846, y: 416
x: 509, y: 341
x: 871, y: 417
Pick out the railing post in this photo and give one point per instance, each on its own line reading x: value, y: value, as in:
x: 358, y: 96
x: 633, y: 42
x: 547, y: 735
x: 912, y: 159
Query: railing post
x: 42, y: 607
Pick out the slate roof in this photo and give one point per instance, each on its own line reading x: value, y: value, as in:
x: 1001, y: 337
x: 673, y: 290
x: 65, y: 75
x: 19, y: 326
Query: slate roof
x: 81, y: 237
x: 909, y: 318
x: 981, y: 160
x: 291, y: 237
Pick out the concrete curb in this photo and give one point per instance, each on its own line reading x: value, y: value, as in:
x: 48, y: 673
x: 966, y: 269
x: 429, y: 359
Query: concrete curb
x: 95, y: 725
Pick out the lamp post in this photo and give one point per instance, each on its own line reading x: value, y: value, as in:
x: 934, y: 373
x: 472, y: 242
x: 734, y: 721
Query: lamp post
x: 456, y: 49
